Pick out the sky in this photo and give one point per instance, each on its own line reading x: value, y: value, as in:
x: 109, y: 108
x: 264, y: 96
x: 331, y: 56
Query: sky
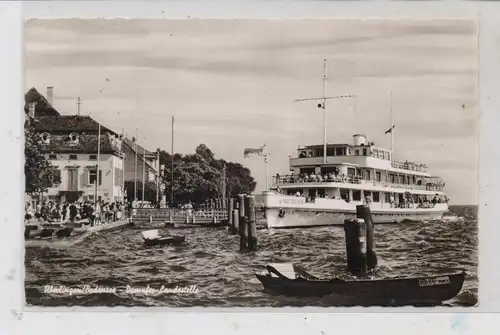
x: 231, y: 84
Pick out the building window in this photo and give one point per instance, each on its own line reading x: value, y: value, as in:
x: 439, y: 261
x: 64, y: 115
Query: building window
x: 368, y: 175
x: 388, y: 197
x: 364, y: 152
x: 376, y: 197
x: 93, y: 157
x: 73, y: 157
x: 52, y: 156
x: 73, y: 138
x: 45, y: 138
x: 356, y: 195
x: 357, y: 152
x: 378, y: 176
x: 93, y: 177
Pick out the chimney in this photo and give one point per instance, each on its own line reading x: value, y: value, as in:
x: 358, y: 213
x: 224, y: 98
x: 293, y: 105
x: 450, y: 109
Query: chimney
x: 50, y: 94
x: 31, y: 109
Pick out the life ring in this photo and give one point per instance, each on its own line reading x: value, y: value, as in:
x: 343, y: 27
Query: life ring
x: 282, y: 213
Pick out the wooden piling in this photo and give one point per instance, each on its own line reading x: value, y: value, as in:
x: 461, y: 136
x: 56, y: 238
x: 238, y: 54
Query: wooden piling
x: 235, y: 224
x: 230, y: 208
x: 251, y: 223
x: 364, y: 212
x: 241, y: 205
x: 355, y: 242
x: 243, y: 232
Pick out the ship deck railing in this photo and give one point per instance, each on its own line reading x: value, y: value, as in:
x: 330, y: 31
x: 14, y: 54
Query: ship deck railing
x: 410, y: 166
x: 347, y: 179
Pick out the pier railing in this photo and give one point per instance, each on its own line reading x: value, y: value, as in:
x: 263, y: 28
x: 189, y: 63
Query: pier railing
x: 350, y: 179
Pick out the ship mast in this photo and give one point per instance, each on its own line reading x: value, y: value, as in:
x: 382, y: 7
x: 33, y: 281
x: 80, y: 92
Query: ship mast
x: 322, y: 105
x: 392, y: 130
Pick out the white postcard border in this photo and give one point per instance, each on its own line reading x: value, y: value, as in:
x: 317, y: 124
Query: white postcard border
x: 18, y: 319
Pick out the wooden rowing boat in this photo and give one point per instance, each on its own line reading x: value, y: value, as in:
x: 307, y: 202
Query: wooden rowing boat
x: 290, y: 279
x: 152, y: 238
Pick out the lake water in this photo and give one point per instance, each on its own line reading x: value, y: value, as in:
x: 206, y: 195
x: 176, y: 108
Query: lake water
x: 224, y: 277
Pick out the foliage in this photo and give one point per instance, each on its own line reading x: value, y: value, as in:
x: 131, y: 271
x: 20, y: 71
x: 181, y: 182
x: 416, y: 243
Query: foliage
x: 39, y: 173
x: 149, y: 190
x: 198, y: 176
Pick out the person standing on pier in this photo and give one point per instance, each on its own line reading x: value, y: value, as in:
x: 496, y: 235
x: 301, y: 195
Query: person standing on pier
x: 72, y: 212
x: 28, y: 212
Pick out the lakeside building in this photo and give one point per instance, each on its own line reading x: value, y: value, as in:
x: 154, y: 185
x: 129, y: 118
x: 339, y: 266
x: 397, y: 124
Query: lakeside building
x: 147, y: 162
x: 70, y: 142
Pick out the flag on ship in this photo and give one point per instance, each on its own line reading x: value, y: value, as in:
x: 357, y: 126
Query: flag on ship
x: 250, y: 152
x: 390, y: 129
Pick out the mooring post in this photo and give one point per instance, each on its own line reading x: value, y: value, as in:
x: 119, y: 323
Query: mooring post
x: 150, y: 219
x: 170, y: 218
x: 364, y: 212
x: 251, y: 223
x: 242, y: 222
x: 187, y: 217
x: 355, y: 242
x: 230, y: 208
x: 235, y: 225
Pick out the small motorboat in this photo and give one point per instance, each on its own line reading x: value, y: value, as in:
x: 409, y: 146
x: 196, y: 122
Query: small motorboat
x: 152, y: 237
x: 293, y: 280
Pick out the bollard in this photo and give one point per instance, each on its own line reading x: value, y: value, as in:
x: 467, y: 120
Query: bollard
x: 150, y: 219
x: 243, y: 232
x: 230, y: 205
x: 170, y: 219
x: 364, y: 212
x: 235, y: 225
x: 251, y: 223
x: 187, y: 217
x: 355, y: 242
x: 241, y: 205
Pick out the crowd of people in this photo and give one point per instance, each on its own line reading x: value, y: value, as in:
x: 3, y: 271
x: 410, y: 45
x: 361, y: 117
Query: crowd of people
x: 431, y: 185
x: 88, y: 211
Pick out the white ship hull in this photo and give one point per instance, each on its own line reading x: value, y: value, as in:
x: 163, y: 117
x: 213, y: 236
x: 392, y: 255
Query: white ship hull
x: 291, y: 212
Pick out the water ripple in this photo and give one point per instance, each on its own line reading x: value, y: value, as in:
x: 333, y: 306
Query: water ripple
x: 211, y: 260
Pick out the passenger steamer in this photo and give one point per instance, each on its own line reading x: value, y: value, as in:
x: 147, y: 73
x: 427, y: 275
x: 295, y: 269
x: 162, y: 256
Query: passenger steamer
x: 328, y: 181
x: 323, y: 194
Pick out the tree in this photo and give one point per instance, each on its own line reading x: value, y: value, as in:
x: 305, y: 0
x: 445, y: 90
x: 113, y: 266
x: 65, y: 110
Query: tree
x: 149, y: 190
x: 39, y: 173
x: 198, y: 176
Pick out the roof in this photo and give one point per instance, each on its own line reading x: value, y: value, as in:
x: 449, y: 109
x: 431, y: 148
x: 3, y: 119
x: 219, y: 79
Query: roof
x: 140, y: 150
x: 69, y: 124
x: 42, y: 107
x: 87, y: 143
x: 321, y: 146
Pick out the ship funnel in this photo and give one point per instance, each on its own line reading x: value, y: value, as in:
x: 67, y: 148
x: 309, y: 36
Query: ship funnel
x: 359, y: 139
